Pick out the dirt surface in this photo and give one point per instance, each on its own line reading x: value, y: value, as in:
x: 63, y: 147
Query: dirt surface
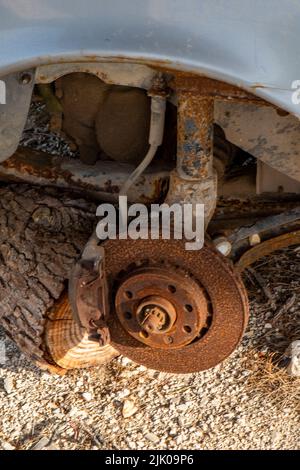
x: 245, y: 403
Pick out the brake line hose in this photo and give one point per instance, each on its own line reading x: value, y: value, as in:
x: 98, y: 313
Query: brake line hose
x: 157, y: 124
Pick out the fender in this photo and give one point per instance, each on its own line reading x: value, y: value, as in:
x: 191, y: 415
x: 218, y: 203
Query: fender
x: 251, y: 43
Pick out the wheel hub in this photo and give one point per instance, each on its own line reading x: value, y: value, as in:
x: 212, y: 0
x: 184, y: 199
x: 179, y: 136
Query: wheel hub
x: 154, y: 317
x: 161, y: 307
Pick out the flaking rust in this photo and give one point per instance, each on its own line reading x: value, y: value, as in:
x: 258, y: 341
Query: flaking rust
x: 224, y: 294
x: 195, y: 135
x: 102, y: 180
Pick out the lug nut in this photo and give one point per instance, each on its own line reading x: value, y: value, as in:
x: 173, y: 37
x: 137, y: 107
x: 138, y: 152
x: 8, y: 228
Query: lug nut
x: 168, y: 340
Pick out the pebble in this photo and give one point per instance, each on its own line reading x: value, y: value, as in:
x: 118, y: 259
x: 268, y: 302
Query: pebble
x: 129, y: 408
x: 43, y: 442
x: 293, y: 352
x: 6, y: 446
x: 150, y: 436
x: 87, y: 396
x: 123, y: 393
x: 8, y: 385
x: 276, y: 436
x: 125, y: 361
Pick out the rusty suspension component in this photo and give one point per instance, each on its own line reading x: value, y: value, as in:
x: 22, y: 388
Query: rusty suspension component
x: 194, y: 180
x: 102, y: 180
x: 195, y: 136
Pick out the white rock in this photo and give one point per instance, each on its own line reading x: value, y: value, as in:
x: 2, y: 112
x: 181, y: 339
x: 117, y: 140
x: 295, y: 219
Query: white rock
x: 293, y: 352
x: 26, y: 406
x: 52, y: 447
x: 150, y: 436
x: 43, y: 442
x: 87, y: 396
x: 276, y: 436
x: 123, y: 393
x: 74, y: 411
x: 268, y: 326
x: 131, y: 445
x: 129, y: 408
x: 7, y: 446
x: 181, y: 421
x: 141, y: 368
x: 8, y: 385
x: 125, y: 361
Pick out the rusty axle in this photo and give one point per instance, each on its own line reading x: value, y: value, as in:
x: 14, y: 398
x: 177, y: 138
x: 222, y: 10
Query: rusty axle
x: 102, y: 180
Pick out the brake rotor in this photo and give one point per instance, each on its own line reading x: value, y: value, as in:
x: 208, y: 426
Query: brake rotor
x: 173, y: 310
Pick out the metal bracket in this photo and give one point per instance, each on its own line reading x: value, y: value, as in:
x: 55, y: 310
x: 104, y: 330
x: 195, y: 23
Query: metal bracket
x: 88, y: 292
x: 13, y: 113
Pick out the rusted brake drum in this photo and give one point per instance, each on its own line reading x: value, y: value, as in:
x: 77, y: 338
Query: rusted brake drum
x: 173, y: 310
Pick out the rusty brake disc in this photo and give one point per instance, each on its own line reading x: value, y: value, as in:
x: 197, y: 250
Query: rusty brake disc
x: 173, y: 310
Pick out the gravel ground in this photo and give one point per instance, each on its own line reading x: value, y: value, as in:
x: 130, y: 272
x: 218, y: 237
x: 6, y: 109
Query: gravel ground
x: 245, y: 403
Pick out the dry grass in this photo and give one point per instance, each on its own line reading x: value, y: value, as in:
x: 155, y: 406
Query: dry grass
x: 280, y: 274
x: 271, y: 380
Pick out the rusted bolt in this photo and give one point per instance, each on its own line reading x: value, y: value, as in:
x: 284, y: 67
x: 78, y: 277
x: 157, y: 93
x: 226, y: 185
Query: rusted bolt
x: 25, y: 78
x: 168, y: 339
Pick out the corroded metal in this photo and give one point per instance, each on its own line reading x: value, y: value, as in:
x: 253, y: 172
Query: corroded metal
x: 194, y: 136
x: 267, y: 247
x: 197, y: 84
x: 224, y: 293
x: 203, y: 191
x: 264, y: 132
x: 161, y: 307
x: 13, y: 113
x: 88, y: 292
x: 134, y: 75
x: 139, y: 75
x: 266, y: 224
x: 195, y: 180
x: 102, y: 180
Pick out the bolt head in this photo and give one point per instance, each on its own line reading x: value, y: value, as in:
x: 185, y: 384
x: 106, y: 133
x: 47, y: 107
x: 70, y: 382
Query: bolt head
x: 25, y: 78
x: 168, y: 340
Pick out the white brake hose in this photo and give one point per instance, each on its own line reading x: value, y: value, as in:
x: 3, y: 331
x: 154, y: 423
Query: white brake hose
x: 157, y: 124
